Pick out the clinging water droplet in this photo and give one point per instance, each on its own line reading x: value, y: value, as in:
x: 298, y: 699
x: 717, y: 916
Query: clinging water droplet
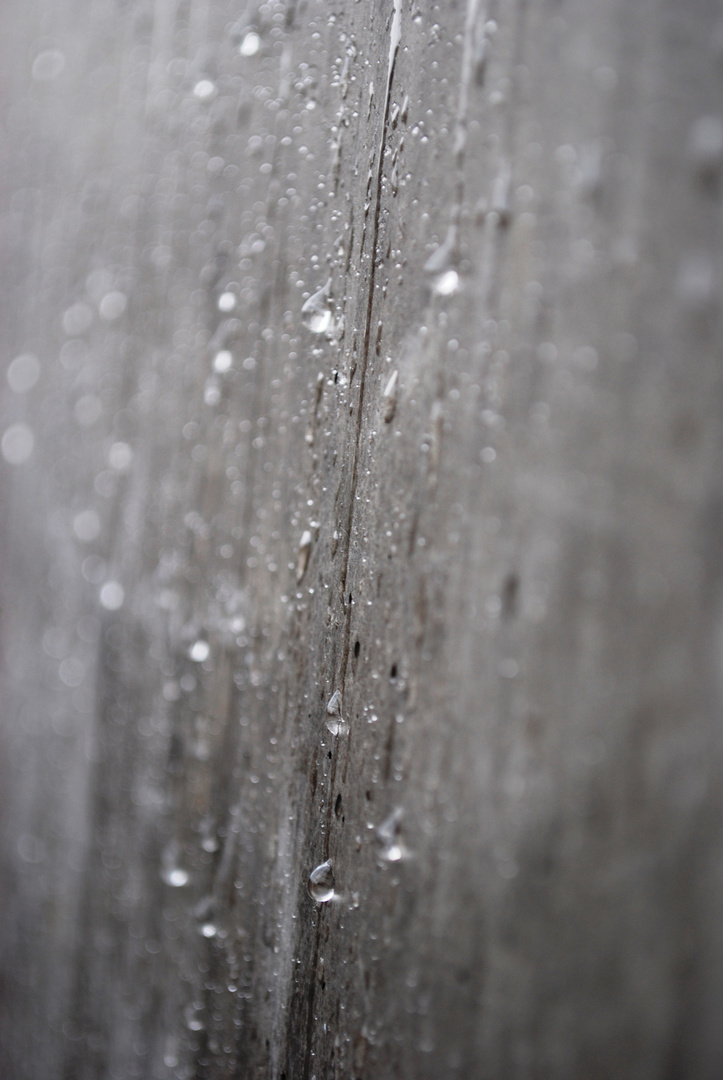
x: 48, y: 64
x: 112, y: 305
x: 120, y: 456
x: 316, y: 312
x: 204, y: 90
x: 175, y: 876
x: 193, y: 1018
x: 112, y: 596
x: 705, y: 146
x: 334, y: 704
x: 17, y: 444
x: 23, y: 373
x: 321, y: 883
x: 390, y: 397
x: 199, y: 651
x: 86, y: 526
x: 695, y: 282
x: 441, y: 265
x: 446, y: 284
x: 336, y: 724
x: 250, y: 44
x: 226, y: 301
x: 389, y: 837
x: 222, y: 361
x: 172, y: 873
x: 303, y: 556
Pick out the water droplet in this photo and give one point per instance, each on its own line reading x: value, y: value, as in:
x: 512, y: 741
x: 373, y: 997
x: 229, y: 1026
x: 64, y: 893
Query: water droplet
x: 222, y: 361
x: 170, y: 1053
x: 335, y: 725
x: 211, y: 392
x: 199, y: 651
x: 209, y: 930
x: 71, y: 671
x: 86, y: 526
x: 76, y: 319
x: 441, y: 265
x: 447, y: 283
x: 31, y: 849
x: 316, y: 312
x: 23, y: 373
x: 204, y: 90
x: 112, y: 305
x: 390, y: 397
x: 695, y: 282
x: 303, y: 556
x: 389, y: 836
x: 48, y: 64
x: 250, y: 44
x: 500, y: 198
x: 88, y: 409
x: 192, y: 1017
x: 112, y: 595
x: 17, y: 444
x: 175, y: 876
x: 226, y: 301
x: 120, y: 457
x: 334, y: 704
x: 705, y: 146
x: 321, y: 883
x: 508, y: 668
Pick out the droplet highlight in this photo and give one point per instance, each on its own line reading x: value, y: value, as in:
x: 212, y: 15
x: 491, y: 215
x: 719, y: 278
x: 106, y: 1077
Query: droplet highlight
x: 23, y: 373
x: 389, y: 839
x: 17, y: 444
x: 335, y: 724
x: 112, y: 595
x: 316, y: 311
x: 199, y: 651
x: 321, y: 883
x: 250, y: 44
x: 389, y: 397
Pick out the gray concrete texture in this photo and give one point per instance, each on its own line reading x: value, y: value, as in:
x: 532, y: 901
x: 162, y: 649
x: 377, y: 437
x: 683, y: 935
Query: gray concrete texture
x: 371, y: 350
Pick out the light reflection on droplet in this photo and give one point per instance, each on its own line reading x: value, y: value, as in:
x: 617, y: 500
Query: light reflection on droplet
x: 321, y: 883
x: 222, y: 361
x: 199, y: 651
x: 112, y: 595
x: 23, y: 373
x: 17, y: 444
x: 204, y: 90
x: 48, y: 64
x: 226, y: 301
x: 120, y: 457
x: 76, y: 319
x: 316, y: 312
x: 86, y: 526
x: 112, y: 305
x: 446, y: 284
x: 250, y: 44
x: 175, y: 876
